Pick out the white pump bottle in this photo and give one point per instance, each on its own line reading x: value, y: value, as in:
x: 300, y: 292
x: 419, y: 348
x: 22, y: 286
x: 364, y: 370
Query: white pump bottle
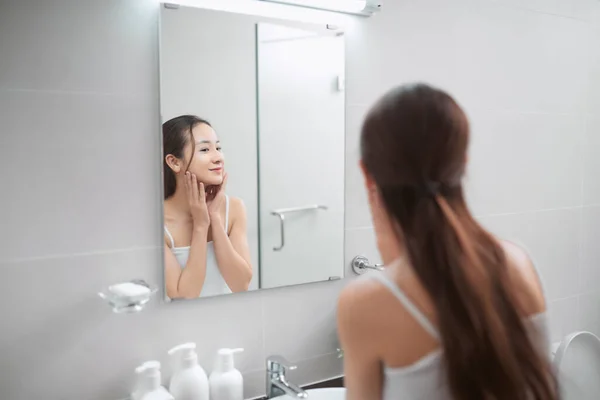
x: 189, y: 382
x: 148, y: 383
x: 226, y: 382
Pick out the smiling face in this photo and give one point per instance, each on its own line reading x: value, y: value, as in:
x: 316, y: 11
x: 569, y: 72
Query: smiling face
x: 207, y: 160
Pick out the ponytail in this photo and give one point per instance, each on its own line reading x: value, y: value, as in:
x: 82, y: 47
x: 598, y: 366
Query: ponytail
x: 488, y: 352
x: 415, y: 134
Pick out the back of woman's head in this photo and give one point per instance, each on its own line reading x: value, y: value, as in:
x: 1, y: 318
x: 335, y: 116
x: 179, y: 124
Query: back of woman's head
x: 177, y: 135
x: 415, y: 134
x: 414, y: 145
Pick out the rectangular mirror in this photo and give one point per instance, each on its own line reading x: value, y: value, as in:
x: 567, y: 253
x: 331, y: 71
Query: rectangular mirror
x: 252, y: 115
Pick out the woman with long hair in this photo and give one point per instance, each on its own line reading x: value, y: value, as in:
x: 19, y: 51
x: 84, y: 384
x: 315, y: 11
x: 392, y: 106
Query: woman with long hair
x: 206, y: 244
x: 457, y: 313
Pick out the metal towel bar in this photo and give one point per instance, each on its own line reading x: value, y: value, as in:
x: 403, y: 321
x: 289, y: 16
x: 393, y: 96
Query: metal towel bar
x: 280, y: 213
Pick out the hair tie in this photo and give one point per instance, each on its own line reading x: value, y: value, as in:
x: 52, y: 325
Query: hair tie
x: 431, y: 188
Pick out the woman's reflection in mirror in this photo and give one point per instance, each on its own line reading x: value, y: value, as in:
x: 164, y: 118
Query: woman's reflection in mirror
x: 206, y: 245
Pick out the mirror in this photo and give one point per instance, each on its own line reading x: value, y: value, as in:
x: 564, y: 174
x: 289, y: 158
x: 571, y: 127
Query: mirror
x: 253, y: 135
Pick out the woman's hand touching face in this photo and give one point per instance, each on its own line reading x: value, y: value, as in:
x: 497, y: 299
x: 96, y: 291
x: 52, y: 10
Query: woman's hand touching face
x: 215, y: 196
x: 196, y: 195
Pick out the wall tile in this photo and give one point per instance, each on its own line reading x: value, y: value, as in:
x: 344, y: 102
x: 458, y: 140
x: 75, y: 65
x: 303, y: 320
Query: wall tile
x: 593, y: 89
x: 254, y: 384
x: 515, y: 165
x: 92, y: 46
x: 589, y: 317
x: 552, y: 239
x: 579, y: 9
x: 357, y: 205
x: 591, y: 183
x: 563, y: 317
x: 57, y: 321
x: 408, y: 41
x: 53, y: 320
x: 514, y: 51
x: 314, y: 370
x: 360, y: 242
x: 83, y: 171
x: 519, y: 60
x: 300, y: 321
x: 590, y: 251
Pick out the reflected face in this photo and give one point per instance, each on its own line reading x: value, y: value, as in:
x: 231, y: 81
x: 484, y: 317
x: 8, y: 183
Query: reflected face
x: 207, y: 161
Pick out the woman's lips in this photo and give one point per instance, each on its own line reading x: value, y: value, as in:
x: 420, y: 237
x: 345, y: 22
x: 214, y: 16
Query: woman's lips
x: 216, y: 169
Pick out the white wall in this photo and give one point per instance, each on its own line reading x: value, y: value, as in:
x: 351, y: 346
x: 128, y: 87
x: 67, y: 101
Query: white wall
x: 81, y: 206
x: 208, y: 68
x: 528, y: 73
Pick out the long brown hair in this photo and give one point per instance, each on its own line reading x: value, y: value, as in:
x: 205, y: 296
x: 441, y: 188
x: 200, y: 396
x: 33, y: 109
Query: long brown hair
x: 414, y: 144
x: 177, y: 134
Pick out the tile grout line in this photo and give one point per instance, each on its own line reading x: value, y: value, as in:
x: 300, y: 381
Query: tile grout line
x: 570, y: 297
x: 538, y: 11
x: 299, y: 361
x: 498, y: 111
x: 80, y: 92
x: 580, y: 224
x: 76, y: 255
x: 537, y: 211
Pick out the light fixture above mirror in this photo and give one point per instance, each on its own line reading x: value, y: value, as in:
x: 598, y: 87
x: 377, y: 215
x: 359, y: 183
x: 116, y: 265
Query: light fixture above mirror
x: 358, y: 7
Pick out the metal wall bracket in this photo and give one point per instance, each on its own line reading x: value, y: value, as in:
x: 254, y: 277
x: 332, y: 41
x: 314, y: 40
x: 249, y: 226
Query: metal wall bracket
x: 361, y: 264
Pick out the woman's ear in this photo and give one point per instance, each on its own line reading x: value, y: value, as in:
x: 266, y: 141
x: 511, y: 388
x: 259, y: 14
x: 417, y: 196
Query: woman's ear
x: 173, y: 163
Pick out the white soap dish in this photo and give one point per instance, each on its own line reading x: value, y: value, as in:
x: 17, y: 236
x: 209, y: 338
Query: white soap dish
x: 128, y: 297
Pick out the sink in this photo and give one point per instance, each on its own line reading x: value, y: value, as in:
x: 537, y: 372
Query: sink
x: 320, y: 394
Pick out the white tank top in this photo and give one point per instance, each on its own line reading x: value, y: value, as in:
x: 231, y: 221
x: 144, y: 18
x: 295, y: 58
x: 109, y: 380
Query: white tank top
x: 214, y: 284
x: 425, y: 379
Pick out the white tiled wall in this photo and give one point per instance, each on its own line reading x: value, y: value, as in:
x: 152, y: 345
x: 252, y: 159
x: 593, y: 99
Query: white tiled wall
x: 80, y: 189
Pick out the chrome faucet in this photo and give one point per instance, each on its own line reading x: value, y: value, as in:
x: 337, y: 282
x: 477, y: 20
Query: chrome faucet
x: 277, y: 383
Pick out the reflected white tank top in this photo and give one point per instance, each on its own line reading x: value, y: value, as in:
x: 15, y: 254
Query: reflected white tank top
x: 214, y: 284
x: 425, y: 379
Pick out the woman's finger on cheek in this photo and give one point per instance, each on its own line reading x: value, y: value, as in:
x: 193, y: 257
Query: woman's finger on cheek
x: 202, y: 192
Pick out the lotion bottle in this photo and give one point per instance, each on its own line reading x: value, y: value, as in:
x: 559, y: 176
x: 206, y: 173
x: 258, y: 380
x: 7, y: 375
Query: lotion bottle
x: 226, y: 382
x: 148, y: 383
x: 189, y: 382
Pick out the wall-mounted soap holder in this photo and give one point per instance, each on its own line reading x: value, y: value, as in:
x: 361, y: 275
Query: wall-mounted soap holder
x: 128, y: 297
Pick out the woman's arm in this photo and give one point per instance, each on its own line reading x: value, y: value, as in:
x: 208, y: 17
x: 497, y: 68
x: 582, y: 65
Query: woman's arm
x: 187, y: 282
x: 363, y: 370
x: 232, y: 251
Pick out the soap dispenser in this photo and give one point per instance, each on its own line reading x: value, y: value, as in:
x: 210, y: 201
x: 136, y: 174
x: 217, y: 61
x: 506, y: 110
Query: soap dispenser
x: 148, y: 383
x: 226, y: 382
x: 189, y: 382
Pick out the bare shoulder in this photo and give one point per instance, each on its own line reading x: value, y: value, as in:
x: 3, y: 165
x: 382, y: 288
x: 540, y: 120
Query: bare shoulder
x: 525, y: 278
x: 520, y: 263
x: 357, y: 302
x: 237, y: 213
x: 236, y: 206
x: 367, y: 308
